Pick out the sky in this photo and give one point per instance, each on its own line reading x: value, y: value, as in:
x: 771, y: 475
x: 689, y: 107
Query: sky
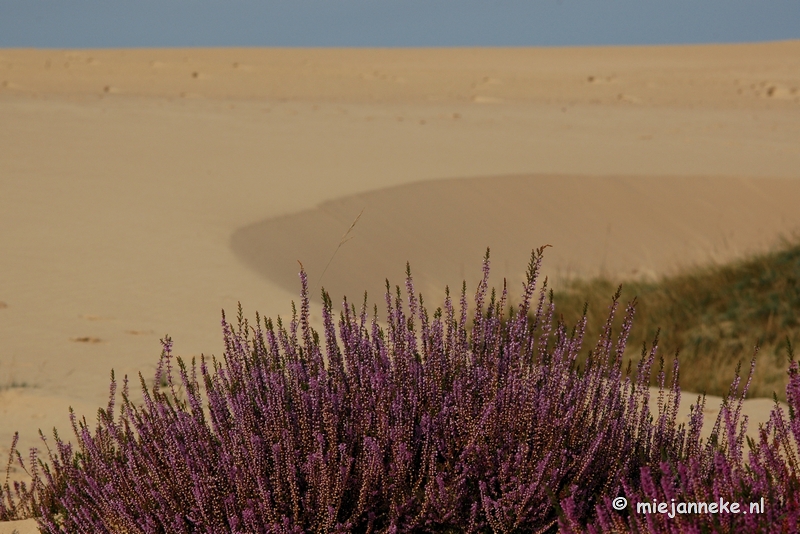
x: 391, y: 23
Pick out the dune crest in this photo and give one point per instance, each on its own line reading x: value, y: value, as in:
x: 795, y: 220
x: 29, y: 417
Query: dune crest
x: 621, y: 227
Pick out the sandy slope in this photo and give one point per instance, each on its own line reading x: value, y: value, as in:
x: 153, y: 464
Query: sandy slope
x: 634, y: 226
x: 141, y: 191
x: 18, y: 527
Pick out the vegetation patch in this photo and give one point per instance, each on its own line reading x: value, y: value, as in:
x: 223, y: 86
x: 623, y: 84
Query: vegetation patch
x: 712, y: 317
x: 420, y: 425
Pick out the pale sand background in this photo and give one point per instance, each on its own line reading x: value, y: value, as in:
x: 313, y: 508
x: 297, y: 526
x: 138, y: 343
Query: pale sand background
x: 141, y: 191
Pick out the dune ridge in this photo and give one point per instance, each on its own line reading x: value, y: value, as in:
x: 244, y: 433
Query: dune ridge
x: 620, y: 227
x: 729, y: 75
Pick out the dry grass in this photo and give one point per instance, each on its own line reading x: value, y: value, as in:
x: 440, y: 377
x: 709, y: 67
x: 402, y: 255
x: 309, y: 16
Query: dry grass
x: 712, y: 317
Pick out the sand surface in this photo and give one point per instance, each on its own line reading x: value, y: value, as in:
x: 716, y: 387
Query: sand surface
x: 142, y: 191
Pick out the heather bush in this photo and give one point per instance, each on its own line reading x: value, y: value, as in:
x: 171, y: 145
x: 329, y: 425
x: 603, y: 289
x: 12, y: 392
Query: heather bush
x: 429, y: 423
x: 717, y: 471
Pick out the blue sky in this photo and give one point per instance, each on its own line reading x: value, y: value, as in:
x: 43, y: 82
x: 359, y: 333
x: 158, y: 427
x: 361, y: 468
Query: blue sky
x: 391, y: 23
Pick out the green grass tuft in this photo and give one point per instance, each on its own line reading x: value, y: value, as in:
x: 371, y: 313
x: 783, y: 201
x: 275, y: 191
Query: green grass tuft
x: 714, y: 316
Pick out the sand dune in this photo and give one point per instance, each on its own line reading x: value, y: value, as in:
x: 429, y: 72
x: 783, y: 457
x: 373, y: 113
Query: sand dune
x: 622, y: 227
x: 141, y: 191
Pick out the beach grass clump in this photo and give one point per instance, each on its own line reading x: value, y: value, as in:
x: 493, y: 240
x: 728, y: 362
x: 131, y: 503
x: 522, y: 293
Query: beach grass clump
x: 413, y: 424
x: 713, y: 316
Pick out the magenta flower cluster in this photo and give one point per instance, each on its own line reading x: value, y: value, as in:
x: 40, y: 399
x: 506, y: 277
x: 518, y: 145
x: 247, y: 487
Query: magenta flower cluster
x: 491, y: 421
